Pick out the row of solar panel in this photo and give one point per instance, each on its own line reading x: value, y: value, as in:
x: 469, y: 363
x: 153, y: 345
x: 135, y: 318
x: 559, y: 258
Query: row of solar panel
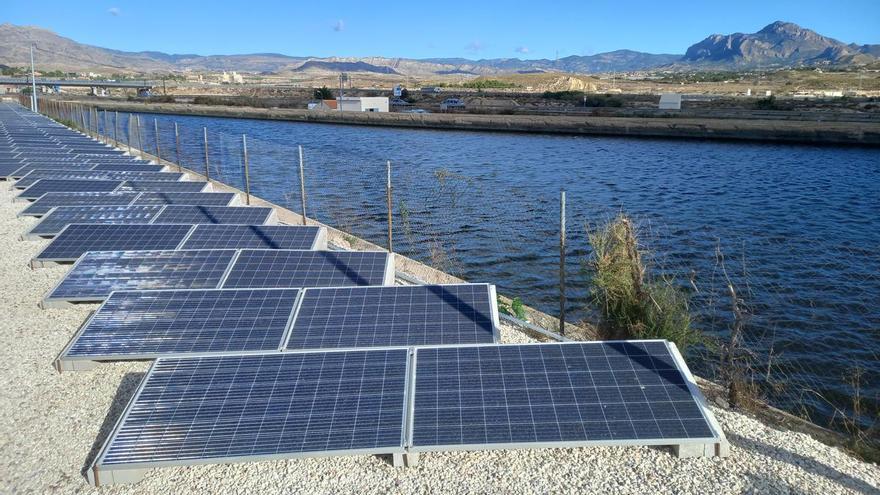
x: 44, y: 186
x: 57, y: 220
x: 157, y: 323
x: 48, y: 201
x: 236, y: 408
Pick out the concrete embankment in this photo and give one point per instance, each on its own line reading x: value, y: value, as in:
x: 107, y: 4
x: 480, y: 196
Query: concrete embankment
x: 813, y: 132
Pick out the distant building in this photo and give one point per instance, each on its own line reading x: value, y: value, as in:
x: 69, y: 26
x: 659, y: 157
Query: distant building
x: 670, y: 101
x: 323, y: 105
x: 352, y: 104
x: 431, y: 90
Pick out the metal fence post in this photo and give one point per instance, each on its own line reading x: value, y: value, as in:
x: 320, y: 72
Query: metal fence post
x: 247, y: 176
x: 388, y: 194
x: 302, y: 184
x: 116, y: 128
x: 128, y: 138
x: 140, y: 143
x: 158, y: 146
x: 106, y: 129
x: 207, y: 170
x: 562, y: 263
x: 177, y: 145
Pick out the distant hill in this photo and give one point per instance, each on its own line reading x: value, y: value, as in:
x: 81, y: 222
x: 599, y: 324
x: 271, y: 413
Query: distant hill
x: 778, y: 44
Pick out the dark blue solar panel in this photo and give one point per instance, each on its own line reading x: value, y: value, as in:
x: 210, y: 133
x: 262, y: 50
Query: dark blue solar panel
x: 98, y: 273
x: 185, y: 198
x: 550, y: 393
x: 252, y: 236
x: 196, y: 214
x: 51, y: 200
x: 275, y: 268
x: 29, y: 167
x: 37, y: 174
x: 80, y: 238
x: 128, y: 167
x: 205, y: 408
x: 163, y: 186
x: 149, y: 324
x: 394, y: 316
x: 44, y: 186
x: 63, y: 216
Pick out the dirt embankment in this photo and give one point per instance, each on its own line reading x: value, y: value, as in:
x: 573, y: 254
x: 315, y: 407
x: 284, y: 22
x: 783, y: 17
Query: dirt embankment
x: 813, y: 132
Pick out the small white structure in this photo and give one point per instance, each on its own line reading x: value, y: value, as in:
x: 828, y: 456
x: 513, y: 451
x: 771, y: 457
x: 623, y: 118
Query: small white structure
x: 670, y: 101
x: 363, y: 103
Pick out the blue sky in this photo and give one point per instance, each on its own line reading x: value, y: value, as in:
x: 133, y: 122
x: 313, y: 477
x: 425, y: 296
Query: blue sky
x: 425, y: 29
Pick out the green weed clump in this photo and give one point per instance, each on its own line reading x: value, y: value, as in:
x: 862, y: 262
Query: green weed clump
x: 632, y: 303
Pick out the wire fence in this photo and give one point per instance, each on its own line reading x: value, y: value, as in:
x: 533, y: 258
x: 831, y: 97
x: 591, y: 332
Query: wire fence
x: 470, y: 220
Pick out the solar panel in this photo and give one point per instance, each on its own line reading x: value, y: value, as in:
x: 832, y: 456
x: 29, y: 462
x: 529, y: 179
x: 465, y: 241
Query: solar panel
x: 51, y: 200
x: 29, y: 167
x: 37, y: 174
x: 77, y: 239
x: 569, y: 394
x: 129, y: 167
x: 165, y: 186
x: 98, y: 273
x: 277, y: 268
x: 257, y: 237
x: 156, y: 323
x: 247, y: 408
x: 196, y: 214
x: 351, y: 317
x: 185, y: 198
x: 60, y: 217
x: 7, y: 169
x: 44, y: 186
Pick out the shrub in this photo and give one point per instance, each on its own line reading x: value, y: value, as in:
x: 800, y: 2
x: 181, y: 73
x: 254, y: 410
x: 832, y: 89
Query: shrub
x: 632, y: 303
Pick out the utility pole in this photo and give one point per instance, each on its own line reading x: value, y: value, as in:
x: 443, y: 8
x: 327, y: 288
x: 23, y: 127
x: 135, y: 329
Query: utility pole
x: 33, y: 83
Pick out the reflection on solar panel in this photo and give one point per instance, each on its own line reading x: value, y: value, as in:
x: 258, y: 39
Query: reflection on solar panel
x: 51, y: 200
x: 185, y: 198
x: 395, y: 316
x: 273, y: 268
x: 257, y: 237
x: 165, y: 186
x: 555, y: 395
x: 77, y: 239
x: 269, y: 406
x: 44, y: 186
x: 62, y: 216
x: 37, y: 174
x: 195, y: 214
x: 98, y: 273
x: 150, y: 324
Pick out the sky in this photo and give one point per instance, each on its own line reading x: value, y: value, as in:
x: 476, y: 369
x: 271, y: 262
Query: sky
x: 449, y: 28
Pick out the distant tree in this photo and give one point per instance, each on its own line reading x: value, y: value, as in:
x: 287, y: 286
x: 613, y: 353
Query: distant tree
x: 323, y: 93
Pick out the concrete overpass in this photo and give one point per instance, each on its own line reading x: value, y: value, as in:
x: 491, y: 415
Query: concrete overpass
x: 143, y: 87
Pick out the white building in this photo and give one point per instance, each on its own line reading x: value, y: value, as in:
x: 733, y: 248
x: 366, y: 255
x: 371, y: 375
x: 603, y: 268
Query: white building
x: 670, y: 101
x: 363, y: 103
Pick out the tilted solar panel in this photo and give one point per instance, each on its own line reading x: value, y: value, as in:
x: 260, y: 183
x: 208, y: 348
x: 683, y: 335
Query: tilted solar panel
x: 164, y: 186
x: 350, y: 317
x: 253, y: 407
x: 278, y: 268
x: 44, y: 186
x: 37, y: 174
x: 62, y: 216
x: 554, y: 395
x: 128, y: 167
x: 185, y: 198
x: 98, y: 273
x: 156, y: 323
x: 77, y: 239
x: 51, y: 200
x: 29, y: 167
x: 257, y: 237
x: 195, y: 214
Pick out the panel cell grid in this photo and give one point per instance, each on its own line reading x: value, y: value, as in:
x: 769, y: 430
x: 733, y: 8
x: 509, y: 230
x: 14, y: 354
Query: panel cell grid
x: 394, y: 316
x: 252, y: 236
x: 273, y: 268
x: 196, y: 214
x: 185, y: 198
x: 77, y: 239
x: 52, y: 200
x: 63, y: 216
x: 235, y: 407
x: 44, y: 186
x: 163, y: 186
x: 145, y: 324
x: 98, y: 273
x: 546, y: 394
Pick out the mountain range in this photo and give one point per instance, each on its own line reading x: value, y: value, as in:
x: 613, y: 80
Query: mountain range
x: 780, y: 44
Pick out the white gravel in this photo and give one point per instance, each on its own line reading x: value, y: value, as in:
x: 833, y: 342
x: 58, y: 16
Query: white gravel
x: 52, y: 424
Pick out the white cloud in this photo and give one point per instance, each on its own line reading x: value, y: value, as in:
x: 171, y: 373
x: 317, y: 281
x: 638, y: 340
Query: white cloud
x: 339, y: 26
x: 474, y: 46
x: 522, y: 49
x: 114, y: 11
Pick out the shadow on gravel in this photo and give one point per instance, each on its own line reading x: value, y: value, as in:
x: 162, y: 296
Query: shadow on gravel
x: 800, y: 461
x: 124, y: 392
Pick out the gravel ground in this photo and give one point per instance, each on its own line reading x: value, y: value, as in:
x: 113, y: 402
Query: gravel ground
x: 53, y: 424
